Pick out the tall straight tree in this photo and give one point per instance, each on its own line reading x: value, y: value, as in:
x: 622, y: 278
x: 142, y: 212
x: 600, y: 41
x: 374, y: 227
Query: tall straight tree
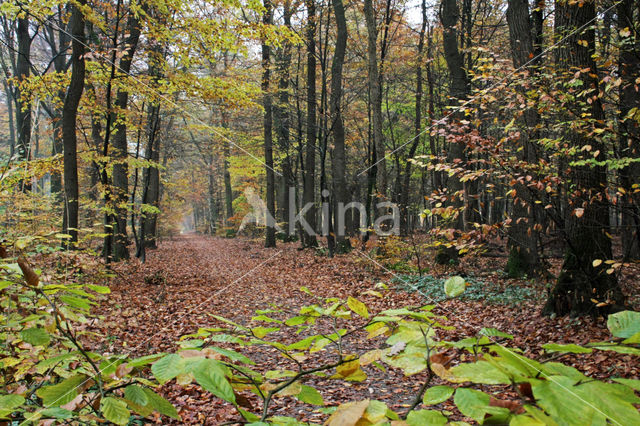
x: 458, y: 90
x: 523, y: 253
x: 69, y: 119
x: 417, y: 126
x: 23, y: 105
x: 120, y: 152
x: 337, y: 125
x: 267, y: 19
x: 629, y: 144
x: 308, y: 196
x: 583, y: 278
x: 373, y: 78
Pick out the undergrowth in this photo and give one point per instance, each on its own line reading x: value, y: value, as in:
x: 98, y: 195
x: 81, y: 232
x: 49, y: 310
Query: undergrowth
x: 432, y: 289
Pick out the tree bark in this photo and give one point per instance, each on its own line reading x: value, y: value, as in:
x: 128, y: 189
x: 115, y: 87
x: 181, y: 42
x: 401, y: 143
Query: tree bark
x: 120, y: 151
x: 270, y: 237
x: 310, y: 151
x: 337, y: 126
x: 69, y: 118
x: 23, y: 105
x: 523, y: 253
x: 376, y: 98
x: 629, y: 142
x: 404, y: 198
x: 580, y: 282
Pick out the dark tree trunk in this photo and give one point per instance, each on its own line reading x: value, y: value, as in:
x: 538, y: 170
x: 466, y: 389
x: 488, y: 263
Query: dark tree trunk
x: 459, y: 89
x: 228, y: 192
x: 375, y: 91
x: 629, y: 144
x: 310, y: 157
x: 523, y: 253
x: 580, y: 282
x: 270, y: 237
x: 69, y: 118
x: 282, y: 119
x: 23, y: 105
x: 120, y: 151
x: 404, y: 199
x: 337, y: 126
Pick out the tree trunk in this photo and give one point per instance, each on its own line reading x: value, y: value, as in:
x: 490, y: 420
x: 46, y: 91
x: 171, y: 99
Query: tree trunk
x: 376, y: 99
x: 69, y: 117
x: 310, y: 158
x: 404, y: 198
x: 459, y: 89
x: 523, y: 253
x: 120, y: 152
x: 270, y: 237
x: 23, y: 105
x: 580, y: 282
x: 337, y: 126
x: 629, y: 131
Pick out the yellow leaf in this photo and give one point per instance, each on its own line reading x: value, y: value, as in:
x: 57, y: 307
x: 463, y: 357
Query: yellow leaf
x: 348, y: 414
x: 597, y: 263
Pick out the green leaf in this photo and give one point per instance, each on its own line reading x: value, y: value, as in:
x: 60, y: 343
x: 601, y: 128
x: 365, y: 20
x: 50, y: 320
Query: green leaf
x: 454, y: 286
x: 632, y: 383
x: 35, y: 336
x: 143, y: 360
x: 161, y: 405
x: 475, y: 404
x: 9, y: 402
x: 310, y: 395
x: 494, y: 332
x: 426, y: 417
x: 479, y: 372
x: 233, y: 355
x: 76, y: 302
x: 562, y: 400
x: 437, y: 394
x: 136, y: 394
x: 100, y: 289
x: 570, y: 348
x: 358, y: 307
x: 5, y: 284
x: 210, y: 376
x: 260, y: 332
x: 115, y: 410
x: 61, y: 393
x: 56, y: 413
x: 167, y: 368
x: 624, y: 324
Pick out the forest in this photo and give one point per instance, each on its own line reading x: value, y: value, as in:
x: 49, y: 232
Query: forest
x: 293, y: 212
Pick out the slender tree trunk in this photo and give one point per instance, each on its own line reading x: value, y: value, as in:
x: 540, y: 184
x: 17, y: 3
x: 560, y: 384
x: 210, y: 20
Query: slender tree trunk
x: 228, y: 192
x: 337, y: 125
x: 523, y: 253
x: 629, y: 143
x: 404, y: 199
x: 270, y: 238
x: 580, y: 282
x: 23, y: 105
x: 459, y: 89
x: 12, y: 129
x: 69, y: 118
x: 376, y: 98
x: 310, y: 157
x: 120, y: 152
x: 282, y: 118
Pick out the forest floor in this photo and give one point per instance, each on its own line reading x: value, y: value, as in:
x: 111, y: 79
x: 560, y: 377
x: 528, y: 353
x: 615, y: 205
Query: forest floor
x: 186, y: 278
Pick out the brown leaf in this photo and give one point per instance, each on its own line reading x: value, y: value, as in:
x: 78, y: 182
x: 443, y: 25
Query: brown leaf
x: 513, y: 406
x: 30, y: 276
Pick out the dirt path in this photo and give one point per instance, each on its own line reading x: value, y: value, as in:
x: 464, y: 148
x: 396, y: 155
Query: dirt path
x: 186, y: 278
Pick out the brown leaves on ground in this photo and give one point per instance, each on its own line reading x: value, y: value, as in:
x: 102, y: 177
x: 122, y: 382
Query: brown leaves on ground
x: 234, y: 277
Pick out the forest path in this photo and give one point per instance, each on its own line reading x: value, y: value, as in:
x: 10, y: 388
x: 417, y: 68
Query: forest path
x: 192, y: 275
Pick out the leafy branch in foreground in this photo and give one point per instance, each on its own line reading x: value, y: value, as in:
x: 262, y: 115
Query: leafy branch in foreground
x: 331, y: 331
x: 48, y: 374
